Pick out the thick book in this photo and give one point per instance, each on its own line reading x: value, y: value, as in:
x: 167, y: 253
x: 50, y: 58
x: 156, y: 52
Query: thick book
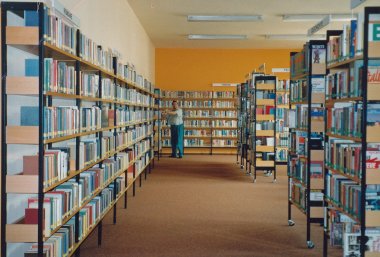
x: 31, y: 67
x: 29, y: 116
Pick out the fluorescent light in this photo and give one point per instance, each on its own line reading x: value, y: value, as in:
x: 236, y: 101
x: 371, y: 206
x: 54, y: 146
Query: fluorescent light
x: 212, y: 37
x: 294, y: 36
x: 224, y: 18
x: 318, y: 17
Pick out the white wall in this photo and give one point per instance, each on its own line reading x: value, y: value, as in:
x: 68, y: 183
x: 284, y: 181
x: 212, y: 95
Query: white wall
x: 112, y: 23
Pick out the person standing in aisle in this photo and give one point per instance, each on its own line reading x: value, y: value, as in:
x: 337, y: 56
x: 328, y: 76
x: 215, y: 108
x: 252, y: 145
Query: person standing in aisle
x: 175, y: 121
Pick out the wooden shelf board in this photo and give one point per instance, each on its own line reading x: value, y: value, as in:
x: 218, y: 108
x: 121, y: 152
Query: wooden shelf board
x: 27, y: 135
x: 264, y: 117
x: 264, y: 133
x: 264, y: 86
x: 22, y: 85
x: 265, y: 163
x: 29, y: 233
x: 341, y: 210
x: 343, y: 63
x: 372, y: 176
x: 265, y: 102
x: 22, y: 184
x: 355, y: 139
x: 349, y: 99
x: 22, y: 35
x: 373, y: 135
x: 264, y: 148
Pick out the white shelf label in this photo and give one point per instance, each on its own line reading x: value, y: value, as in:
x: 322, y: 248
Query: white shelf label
x: 278, y: 70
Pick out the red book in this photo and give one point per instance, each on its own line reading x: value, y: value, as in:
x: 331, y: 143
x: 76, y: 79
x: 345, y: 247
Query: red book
x: 111, y: 118
x: 31, y: 216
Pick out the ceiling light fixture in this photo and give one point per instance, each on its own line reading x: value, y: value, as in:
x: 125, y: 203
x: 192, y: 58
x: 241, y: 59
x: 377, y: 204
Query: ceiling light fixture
x: 294, y: 36
x: 215, y: 37
x: 317, y: 17
x: 224, y: 18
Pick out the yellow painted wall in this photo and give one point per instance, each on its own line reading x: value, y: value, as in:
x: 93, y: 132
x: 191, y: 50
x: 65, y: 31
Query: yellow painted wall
x: 197, y: 69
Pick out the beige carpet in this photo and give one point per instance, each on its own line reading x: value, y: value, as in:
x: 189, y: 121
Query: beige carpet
x: 204, y: 206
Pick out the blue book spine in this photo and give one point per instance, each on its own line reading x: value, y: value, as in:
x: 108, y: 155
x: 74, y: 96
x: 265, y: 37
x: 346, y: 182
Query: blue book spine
x: 31, y: 18
x: 31, y: 68
x: 353, y: 37
x: 29, y: 116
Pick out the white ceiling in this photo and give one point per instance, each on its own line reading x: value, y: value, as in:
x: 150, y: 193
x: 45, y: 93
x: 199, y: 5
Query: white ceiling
x: 166, y: 23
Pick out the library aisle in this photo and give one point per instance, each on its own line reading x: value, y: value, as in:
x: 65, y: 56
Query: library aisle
x: 203, y: 206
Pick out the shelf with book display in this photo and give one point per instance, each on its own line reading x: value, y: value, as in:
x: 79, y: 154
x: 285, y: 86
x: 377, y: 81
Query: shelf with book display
x: 306, y: 127
x: 242, y: 128
x: 352, y: 94
x: 263, y: 113
x: 157, y: 124
x: 206, y: 115
x: 76, y: 144
x: 282, y: 131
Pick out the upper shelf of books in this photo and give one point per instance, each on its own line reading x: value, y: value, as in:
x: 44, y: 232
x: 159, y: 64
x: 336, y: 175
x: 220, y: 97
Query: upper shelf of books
x: 309, y: 61
x: 346, y: 46
x: 63, y: 41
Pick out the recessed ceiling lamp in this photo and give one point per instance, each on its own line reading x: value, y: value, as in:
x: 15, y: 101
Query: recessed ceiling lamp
x: 224, y: 18
x: 215, y: 37
x: 294, y: 36
x: 317, y: 17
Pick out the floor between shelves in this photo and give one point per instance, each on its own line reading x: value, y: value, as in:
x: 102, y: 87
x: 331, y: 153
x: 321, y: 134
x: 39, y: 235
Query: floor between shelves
x: 206, y: 206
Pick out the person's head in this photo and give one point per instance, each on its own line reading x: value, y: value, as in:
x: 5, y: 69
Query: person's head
x: 175, y: 104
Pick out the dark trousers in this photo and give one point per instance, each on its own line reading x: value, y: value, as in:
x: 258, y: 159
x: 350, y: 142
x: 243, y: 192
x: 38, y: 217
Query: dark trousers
x: 176, y: 139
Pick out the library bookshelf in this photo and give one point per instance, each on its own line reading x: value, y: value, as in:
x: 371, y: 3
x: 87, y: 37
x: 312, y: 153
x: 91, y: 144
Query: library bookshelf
x: 157, y: 124
x: 210, y: 121
x: 263, y: 125
x: 352, y: 137
x: 306, y: 153
x: 282, y: 131
x: 77, y: 131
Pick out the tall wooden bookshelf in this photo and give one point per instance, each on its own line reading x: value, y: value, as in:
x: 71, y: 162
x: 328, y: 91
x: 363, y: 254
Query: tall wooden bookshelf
x: 79, y: 125
x: 282, y: 131
x: 157, y: 124
x: 243, y: 128
x: 352, y: 137
x: 305, y: 180
x: 263, y: 125
x: 210, y: 121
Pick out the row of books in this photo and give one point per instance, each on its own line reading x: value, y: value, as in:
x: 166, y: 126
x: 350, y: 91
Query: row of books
x: 282, y: 155
x: 223, y: 104
x: 223, y: 142
x: 59, y: 76
x: 224, y: 123
x: 186, y: 94
x: 197, y: 113
x: 193, y: 142
x: 302, y: 114
x: 283, y: 139
x: 299, y: 63
x: 265, y: 95
x: 298, y: 142
x: 298, y: 169
x: 265, y: 125
x: 227, y: 133
x: 63, y: 35
x: 297, y: 194
x: 347, y: 194
x: 266, y: 110
x: 283, y: 84
x: 222, y: 114
x: 224, y: 94
x: 197, y: 132
x: 299, y: 91
x: 345, y: 121
x: 267, y: 141
x: 188, y: 104
x: 344, y: 46
x: 282, y: 99
x: 69, y: 196
x: 63, y: 242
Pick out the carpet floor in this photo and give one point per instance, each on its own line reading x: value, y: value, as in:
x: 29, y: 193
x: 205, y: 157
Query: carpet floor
x: 205, y: 206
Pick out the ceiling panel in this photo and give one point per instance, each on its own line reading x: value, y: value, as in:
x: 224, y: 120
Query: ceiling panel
x: 166, y: 23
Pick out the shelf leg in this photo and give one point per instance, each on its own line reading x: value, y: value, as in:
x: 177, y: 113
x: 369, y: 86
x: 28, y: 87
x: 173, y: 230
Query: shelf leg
x: 114, y: 213
x: 140, y: 180
x: 100, y: 232
x: 126, y: 200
